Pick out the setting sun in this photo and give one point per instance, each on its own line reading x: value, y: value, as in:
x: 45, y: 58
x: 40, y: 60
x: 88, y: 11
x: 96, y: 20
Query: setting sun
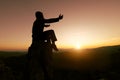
x: 77, y: 46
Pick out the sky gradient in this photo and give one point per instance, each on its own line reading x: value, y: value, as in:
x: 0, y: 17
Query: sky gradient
x: 90, y: 23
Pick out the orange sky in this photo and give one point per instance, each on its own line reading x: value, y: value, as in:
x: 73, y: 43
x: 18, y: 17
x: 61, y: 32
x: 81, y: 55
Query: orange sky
x: 90, y: 23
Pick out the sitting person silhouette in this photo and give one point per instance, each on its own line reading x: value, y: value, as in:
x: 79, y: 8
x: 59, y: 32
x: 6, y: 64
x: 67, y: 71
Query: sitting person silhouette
x: 38, y: 26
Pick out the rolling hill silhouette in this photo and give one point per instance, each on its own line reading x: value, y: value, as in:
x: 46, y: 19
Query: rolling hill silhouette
x: 90, y: 64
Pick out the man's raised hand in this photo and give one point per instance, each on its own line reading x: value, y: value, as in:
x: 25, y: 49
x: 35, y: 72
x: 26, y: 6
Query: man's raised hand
x: 60, y: 16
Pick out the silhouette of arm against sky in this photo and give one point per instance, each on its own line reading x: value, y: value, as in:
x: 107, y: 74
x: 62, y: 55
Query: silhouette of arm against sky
x: 51, y: 20
x: 46, y: 25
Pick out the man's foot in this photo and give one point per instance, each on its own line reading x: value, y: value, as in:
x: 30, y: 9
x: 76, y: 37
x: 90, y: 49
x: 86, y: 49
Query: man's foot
x: 54, y: 47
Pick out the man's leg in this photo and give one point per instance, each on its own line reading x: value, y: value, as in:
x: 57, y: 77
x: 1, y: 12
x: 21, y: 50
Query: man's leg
x: 50, y: 35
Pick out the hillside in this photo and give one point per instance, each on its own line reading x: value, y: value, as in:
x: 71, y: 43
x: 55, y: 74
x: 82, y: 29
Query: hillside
x: 69, y: 64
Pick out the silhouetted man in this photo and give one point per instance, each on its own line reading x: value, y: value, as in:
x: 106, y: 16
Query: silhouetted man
x: 37, y: 32
x: 42, y: 44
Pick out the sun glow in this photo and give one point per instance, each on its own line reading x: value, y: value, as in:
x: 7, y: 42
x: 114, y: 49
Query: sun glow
x: 77, y: 46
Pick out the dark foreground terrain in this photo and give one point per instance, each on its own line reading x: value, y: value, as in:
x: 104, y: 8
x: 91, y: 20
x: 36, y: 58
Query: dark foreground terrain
x: 91, y: 64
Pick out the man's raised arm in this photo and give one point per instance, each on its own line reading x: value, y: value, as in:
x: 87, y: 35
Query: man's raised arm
x: 52, y: 20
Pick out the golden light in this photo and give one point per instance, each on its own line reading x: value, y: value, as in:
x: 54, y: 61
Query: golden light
x: 77, y: 46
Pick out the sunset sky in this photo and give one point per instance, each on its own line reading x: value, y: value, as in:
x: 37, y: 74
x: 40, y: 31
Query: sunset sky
x: 88, y: 23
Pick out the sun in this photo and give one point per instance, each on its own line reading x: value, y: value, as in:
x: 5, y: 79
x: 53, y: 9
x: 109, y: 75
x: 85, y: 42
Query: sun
x: 77, y: 46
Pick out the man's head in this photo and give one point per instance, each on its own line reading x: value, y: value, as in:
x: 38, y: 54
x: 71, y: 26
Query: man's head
x: 39, y: 15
